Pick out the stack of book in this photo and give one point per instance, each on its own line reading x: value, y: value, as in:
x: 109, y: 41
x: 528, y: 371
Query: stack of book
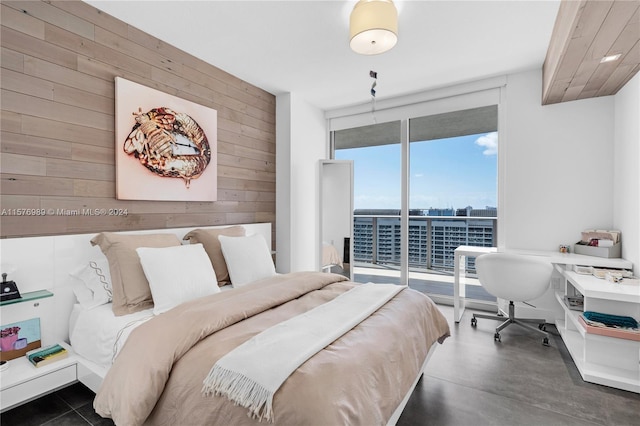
x: 43, y: 356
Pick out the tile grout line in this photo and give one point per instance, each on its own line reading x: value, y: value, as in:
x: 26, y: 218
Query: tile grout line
x: 57, y: 417
x: 83, y: 417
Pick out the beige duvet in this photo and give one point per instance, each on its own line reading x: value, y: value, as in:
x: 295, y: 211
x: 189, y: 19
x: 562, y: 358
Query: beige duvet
x: 359, y: 379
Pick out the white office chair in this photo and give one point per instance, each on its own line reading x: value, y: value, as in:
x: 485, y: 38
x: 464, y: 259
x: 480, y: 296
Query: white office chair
x: 515, y: 278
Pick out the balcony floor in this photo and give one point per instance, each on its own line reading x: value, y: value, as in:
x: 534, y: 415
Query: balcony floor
x: 428, y: 282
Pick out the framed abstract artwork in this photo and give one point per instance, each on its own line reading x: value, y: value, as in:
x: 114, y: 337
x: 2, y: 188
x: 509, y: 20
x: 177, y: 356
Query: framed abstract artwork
x: 166, y: 147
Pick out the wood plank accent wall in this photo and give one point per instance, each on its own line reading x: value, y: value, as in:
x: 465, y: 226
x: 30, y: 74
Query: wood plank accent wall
x: 59, y: 60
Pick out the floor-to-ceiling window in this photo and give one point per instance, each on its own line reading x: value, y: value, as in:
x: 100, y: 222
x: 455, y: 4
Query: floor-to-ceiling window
x: 411, y: 213
x: 452, y: 193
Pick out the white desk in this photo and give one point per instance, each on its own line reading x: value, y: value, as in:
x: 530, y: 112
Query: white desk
x: 459, y: 272
x: 553, y: 256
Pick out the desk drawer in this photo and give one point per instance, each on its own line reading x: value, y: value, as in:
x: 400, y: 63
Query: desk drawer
x: 37, y: 386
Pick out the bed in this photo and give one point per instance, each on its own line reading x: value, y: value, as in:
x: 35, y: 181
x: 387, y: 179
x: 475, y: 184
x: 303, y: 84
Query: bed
x: 147, y: 359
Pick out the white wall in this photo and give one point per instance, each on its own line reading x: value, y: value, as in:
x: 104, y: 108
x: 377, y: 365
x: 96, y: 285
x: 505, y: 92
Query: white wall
x: 283, y: 177
x: 559, y: 166
x: 303, y: 134
x: 626, y: 176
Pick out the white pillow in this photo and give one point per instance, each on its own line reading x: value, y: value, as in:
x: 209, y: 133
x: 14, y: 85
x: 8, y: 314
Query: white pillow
x: 248, y: 258
x: 92, y: 284
x: 177, y: 274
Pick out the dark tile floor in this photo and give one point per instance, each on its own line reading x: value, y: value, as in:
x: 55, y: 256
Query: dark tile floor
x: 71, y: 406
x: 470, y: 380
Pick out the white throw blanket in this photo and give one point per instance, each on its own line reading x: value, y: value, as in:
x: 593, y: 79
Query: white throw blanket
x: 251, y: 374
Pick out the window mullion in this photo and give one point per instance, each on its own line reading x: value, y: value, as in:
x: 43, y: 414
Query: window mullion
x: 404, y: 201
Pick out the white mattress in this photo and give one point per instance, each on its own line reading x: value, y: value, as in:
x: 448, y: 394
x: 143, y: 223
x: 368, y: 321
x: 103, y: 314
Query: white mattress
x: 98, y: 335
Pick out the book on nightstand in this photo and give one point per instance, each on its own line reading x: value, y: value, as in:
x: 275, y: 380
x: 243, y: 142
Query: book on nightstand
x: 44, y: 356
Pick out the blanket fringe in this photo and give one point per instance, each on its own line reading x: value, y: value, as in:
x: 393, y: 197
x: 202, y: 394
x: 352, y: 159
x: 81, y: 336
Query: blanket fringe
x: 241, y: 390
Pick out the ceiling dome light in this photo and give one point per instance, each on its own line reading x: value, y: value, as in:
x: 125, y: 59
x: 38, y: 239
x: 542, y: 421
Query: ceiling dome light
x: 373, y: 26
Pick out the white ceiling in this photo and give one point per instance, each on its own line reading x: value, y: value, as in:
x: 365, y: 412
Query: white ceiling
x: 302, y: 46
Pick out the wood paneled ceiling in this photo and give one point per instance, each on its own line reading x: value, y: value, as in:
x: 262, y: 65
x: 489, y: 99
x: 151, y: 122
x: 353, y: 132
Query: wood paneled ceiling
x: 585, y: 32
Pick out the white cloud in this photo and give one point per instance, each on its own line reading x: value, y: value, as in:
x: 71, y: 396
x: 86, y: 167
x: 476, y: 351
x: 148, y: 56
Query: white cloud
x: 489, y: 142
x: 418, y: 175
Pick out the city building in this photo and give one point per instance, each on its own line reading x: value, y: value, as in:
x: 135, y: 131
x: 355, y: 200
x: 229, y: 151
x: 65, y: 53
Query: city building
x: 434, y: 234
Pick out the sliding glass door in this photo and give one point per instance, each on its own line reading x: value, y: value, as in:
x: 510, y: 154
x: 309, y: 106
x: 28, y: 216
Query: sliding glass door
x: 452, y: 194
x: 425, y: 183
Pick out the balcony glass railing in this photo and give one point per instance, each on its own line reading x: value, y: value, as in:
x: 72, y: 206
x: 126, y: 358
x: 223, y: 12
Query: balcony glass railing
x: 432, y: 240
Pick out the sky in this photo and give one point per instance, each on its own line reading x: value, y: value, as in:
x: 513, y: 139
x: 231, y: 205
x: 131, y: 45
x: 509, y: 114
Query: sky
x: 444, y: 173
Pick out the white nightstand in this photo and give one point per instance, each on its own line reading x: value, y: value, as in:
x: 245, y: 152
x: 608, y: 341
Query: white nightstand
x: 22, y: 381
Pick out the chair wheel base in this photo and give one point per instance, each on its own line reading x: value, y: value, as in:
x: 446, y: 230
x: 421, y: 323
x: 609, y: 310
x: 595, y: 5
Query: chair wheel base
x: 474, y: 322
x: 542, y: 327
x: 497, y: 337
x: 545, y: 341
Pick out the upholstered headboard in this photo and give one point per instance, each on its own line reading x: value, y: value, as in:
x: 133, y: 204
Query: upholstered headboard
x: 44, y: 263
